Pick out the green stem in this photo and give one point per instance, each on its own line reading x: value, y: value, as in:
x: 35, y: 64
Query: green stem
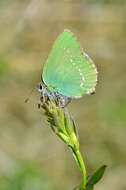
x: 80, y: 163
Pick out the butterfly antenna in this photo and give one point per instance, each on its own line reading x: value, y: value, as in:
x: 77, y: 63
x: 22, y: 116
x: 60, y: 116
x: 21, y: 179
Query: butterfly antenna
x: 28, y: 98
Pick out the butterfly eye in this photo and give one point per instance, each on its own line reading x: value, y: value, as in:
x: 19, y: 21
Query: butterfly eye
x: 40, y: 88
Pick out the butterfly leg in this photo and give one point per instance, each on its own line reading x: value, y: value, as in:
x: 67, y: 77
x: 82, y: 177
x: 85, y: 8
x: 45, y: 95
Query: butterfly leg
x: 43, y: 94
x: 62, y: 101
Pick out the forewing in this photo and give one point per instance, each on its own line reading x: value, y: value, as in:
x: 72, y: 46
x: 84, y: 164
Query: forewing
x: 68, y: 70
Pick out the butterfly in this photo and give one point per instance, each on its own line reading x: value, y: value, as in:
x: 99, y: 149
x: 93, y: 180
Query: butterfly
x: 68, y: 72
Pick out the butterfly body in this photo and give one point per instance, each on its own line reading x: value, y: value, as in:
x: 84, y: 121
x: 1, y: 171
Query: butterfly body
x: 49, y: 95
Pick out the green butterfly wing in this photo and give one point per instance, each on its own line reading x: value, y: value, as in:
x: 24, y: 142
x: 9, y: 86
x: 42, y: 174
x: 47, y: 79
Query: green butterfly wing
x: 68, y: 70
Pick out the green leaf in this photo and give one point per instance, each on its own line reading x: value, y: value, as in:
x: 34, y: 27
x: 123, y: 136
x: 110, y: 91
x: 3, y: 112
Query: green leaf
x: 90, y: 187
x: 95, y: 178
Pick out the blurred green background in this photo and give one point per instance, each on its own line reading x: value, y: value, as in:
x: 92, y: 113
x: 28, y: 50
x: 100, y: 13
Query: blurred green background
x: 31, y: 157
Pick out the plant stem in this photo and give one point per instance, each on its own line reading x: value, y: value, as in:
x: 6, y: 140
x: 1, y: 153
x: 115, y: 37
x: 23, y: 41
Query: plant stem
x: 79, y: 160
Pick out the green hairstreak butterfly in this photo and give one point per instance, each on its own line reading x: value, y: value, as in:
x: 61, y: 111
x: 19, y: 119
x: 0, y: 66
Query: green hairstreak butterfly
x: 68, y: 71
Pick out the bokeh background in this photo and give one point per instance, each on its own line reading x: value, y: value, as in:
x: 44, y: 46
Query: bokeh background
x: 31, y: 156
